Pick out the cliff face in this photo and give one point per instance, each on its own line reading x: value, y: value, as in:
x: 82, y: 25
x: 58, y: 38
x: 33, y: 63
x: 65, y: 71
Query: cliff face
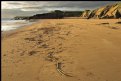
x: 110, y: 11
x: 85, y: 14
x: 113, y: 12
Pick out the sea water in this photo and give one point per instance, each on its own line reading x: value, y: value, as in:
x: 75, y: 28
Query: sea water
x: 9, y: 24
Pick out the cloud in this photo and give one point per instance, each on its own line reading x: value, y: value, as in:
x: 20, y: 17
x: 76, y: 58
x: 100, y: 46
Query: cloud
x: 62, y: 8
x: 22, y: 4
x: 46, y: 4
x: 6, y: 5
x: 30, y: 9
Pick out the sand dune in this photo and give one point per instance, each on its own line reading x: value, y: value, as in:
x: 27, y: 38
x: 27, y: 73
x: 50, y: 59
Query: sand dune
x: 63, y: 50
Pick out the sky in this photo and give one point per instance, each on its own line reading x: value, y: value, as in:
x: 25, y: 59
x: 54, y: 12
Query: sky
x: 11, y: 9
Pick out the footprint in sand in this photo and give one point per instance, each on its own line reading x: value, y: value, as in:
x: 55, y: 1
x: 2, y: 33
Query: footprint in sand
x: 107, y: 42
x: 90, y: 74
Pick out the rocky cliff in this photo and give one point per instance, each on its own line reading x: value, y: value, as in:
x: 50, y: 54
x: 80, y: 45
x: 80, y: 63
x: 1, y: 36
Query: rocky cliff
x: 85, y: 14
x: 109, y: 11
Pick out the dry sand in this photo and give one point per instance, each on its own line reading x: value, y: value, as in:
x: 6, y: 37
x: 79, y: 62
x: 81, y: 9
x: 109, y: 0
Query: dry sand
x: 84, y: 49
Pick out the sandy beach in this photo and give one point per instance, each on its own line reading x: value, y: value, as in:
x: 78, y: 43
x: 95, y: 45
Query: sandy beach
x: 63, y: 50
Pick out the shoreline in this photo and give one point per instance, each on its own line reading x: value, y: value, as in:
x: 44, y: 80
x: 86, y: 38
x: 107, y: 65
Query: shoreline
x: 9, y: 32
x: 6, y: 33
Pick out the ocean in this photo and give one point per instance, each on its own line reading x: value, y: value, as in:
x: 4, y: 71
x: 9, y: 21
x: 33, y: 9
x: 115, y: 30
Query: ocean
x: 8, y: 24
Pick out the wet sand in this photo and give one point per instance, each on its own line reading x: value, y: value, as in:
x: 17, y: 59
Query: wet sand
x: 63, y: 50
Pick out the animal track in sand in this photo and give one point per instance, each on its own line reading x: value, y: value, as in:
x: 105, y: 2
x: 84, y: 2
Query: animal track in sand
x: 32, y: 53
x: 109, y: 26
x: 30, y: 39
x: 118, y: 22
x: 4, y: 54
x: 42, y: 42
x: 89, y: 74
x: 114, y: 27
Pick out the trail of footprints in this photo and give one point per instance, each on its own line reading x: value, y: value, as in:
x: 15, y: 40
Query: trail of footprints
x: 45, y: 35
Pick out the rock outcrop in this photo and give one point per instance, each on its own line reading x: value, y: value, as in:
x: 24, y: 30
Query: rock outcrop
x: 85, y: 14
x: 113, y: 12
x: 109, y: 11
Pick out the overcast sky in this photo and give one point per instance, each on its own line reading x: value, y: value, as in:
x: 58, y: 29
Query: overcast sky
x: 26, y: 8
